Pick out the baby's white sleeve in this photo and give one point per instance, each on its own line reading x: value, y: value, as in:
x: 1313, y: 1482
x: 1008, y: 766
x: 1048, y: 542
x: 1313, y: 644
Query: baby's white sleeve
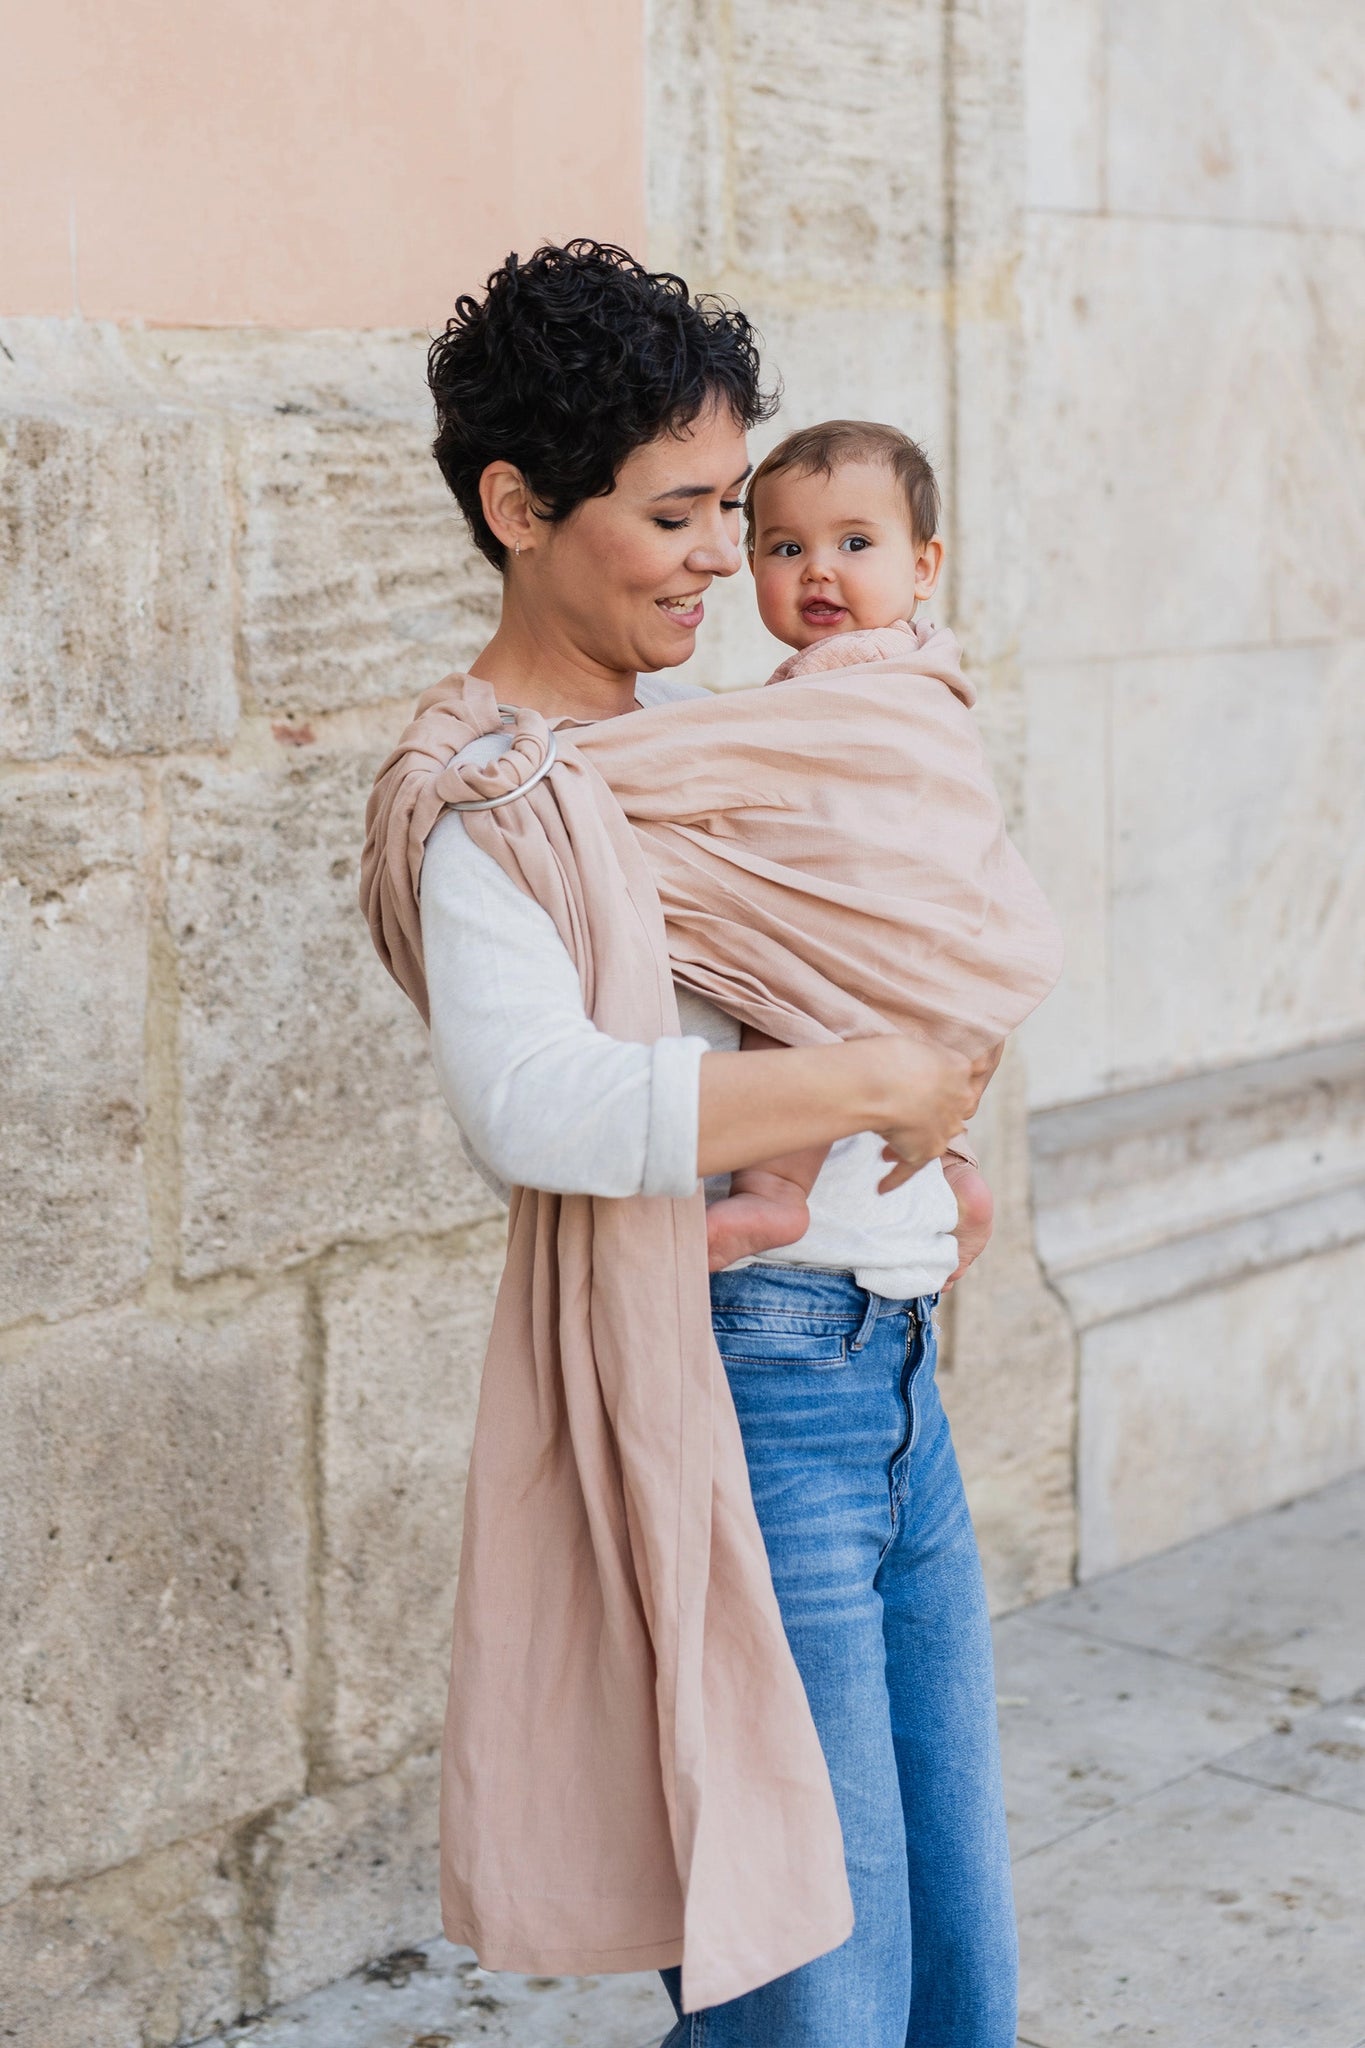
x: 543, y: 1098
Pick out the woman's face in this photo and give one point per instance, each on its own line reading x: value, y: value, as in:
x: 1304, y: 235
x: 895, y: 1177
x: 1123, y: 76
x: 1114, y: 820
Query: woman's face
x: 625, y: 576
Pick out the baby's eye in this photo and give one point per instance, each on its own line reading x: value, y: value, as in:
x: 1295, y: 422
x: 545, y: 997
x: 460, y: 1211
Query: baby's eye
x: 855, y: 543
x: 787, y: 548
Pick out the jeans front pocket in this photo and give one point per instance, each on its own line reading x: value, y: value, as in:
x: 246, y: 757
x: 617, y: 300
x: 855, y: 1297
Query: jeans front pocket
x: 753, y: 1338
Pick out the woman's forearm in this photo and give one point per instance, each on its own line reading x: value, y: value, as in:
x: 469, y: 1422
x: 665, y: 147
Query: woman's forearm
x: 755, y: 1106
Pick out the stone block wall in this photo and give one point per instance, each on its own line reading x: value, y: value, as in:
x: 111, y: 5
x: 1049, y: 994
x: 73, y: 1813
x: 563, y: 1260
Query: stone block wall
x: 245, y: 1273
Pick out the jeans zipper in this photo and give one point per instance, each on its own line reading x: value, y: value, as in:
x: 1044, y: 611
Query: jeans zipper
x: 907, y: 1378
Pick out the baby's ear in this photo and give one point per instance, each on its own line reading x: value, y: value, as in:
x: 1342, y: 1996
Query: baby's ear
x: 928, y: 568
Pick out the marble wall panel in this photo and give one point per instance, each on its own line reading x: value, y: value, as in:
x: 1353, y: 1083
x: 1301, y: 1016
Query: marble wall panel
x: 1066, y: 842
x: 1196, y: 465
x: 1240, y: 110
x: 1319, y: 461
x: 1064, y: 61
x: 1238, y: 863
x: 1200, y: 1411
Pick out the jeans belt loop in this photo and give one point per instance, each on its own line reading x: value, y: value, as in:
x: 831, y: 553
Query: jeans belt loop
x: 870, y: 1314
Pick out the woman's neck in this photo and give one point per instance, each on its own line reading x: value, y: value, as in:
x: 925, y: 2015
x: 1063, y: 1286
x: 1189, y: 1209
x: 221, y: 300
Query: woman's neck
x: 527, y: 666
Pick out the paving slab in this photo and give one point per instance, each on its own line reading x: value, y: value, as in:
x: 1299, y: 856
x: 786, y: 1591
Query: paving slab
x: 436, y: 1996
x: 1323, y: 1757
x: 1213, y: 1914
x: 1087, y: 1726
x: 1280, y: 1597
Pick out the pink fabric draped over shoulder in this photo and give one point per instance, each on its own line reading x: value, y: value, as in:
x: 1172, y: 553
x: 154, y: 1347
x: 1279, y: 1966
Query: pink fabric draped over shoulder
x: 631, y: 1777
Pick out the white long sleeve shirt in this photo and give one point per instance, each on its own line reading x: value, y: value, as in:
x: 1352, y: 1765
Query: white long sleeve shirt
x: 544, y: 1099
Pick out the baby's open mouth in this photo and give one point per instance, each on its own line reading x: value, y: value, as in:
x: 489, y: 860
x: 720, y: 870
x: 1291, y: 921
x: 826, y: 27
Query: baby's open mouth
x: 818, y: 611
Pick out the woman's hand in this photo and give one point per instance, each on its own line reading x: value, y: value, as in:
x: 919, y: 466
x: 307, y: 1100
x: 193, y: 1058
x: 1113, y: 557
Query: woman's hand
x: 937, y: 1093
x: 755, y: 1107
x: 975, y: 1213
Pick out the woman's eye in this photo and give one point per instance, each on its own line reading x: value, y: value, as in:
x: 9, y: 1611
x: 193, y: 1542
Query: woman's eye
x: 671, y: 525
x: 732, y: 504
x: 855, y: 542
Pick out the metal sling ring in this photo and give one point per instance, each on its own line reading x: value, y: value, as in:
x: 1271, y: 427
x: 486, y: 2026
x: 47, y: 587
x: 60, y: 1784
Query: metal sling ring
x: 508, y: 796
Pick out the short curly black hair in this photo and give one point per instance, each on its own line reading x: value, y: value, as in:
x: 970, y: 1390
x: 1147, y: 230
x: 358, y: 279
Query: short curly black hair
x: 572, y: 359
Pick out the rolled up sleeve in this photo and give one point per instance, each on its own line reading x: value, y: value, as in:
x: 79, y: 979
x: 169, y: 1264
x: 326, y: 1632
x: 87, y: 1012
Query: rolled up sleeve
x: 542, y: 1097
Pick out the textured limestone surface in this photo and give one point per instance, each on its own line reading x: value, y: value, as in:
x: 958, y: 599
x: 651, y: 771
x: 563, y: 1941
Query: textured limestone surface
x: 144, y: 1952
x: 401, y: 1388
x: 349, y: 1873
x: 229, y: 1545
x: 356, y: 582
x: 331, y: 1127
x: 155, y: 1582
x: 837, y: 179
x: 115, y: 601
x: 73, y: 964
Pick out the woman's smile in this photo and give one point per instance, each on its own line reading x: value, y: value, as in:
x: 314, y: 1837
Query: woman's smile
x: 687, y: 611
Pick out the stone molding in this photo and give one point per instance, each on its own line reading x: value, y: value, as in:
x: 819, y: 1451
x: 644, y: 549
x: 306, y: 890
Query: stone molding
x: 1158, y: 1193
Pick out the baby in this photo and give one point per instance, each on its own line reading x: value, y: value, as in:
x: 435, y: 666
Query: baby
x: 842, y: 536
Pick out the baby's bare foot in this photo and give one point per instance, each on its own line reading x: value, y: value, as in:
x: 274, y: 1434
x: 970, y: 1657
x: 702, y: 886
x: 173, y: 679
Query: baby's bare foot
x: 742, y: 1226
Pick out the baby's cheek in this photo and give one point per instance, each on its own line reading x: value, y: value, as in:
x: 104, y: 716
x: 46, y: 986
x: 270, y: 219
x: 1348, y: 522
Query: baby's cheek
x: 776, y: 595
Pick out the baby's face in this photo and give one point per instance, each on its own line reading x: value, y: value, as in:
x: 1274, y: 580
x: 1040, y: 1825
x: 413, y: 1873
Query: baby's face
x: 835, y: 554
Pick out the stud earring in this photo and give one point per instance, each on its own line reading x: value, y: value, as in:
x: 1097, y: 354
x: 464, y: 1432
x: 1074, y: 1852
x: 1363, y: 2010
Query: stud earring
x: 517, y: 549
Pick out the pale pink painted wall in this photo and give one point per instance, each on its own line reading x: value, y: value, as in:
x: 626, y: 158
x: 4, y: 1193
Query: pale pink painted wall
x: 306, y: 163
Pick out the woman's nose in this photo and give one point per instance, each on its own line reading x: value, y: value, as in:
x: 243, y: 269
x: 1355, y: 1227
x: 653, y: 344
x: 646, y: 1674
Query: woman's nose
x: 716, y: 555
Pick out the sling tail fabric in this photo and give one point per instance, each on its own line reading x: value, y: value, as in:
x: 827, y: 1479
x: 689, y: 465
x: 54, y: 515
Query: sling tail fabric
x: 630, y: 1773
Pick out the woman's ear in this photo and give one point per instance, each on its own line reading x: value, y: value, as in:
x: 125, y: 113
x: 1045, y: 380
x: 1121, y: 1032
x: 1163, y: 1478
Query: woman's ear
x: 506, y: 500
x: 928, y: 568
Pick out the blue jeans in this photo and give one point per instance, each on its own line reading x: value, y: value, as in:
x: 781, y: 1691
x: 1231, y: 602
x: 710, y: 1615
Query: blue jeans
x: 875, y: 1564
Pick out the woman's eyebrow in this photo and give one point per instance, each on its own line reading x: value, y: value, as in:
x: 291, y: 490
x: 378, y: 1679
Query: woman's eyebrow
x: 697, y: 490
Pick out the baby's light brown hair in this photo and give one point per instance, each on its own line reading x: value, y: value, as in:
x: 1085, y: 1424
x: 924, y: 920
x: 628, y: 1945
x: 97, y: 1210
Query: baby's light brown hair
x: 822, y: 449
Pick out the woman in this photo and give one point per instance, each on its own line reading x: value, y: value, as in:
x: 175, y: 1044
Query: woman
x: 592, y: 427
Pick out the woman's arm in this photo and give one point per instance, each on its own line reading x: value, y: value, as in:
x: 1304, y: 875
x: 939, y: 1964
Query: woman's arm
x: 549, y: 1101
x: 544, y: 1099
x: 756, y: 1106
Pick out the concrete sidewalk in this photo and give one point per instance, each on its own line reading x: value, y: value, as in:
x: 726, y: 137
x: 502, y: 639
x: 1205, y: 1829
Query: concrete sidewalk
x: 1185, y: 1761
